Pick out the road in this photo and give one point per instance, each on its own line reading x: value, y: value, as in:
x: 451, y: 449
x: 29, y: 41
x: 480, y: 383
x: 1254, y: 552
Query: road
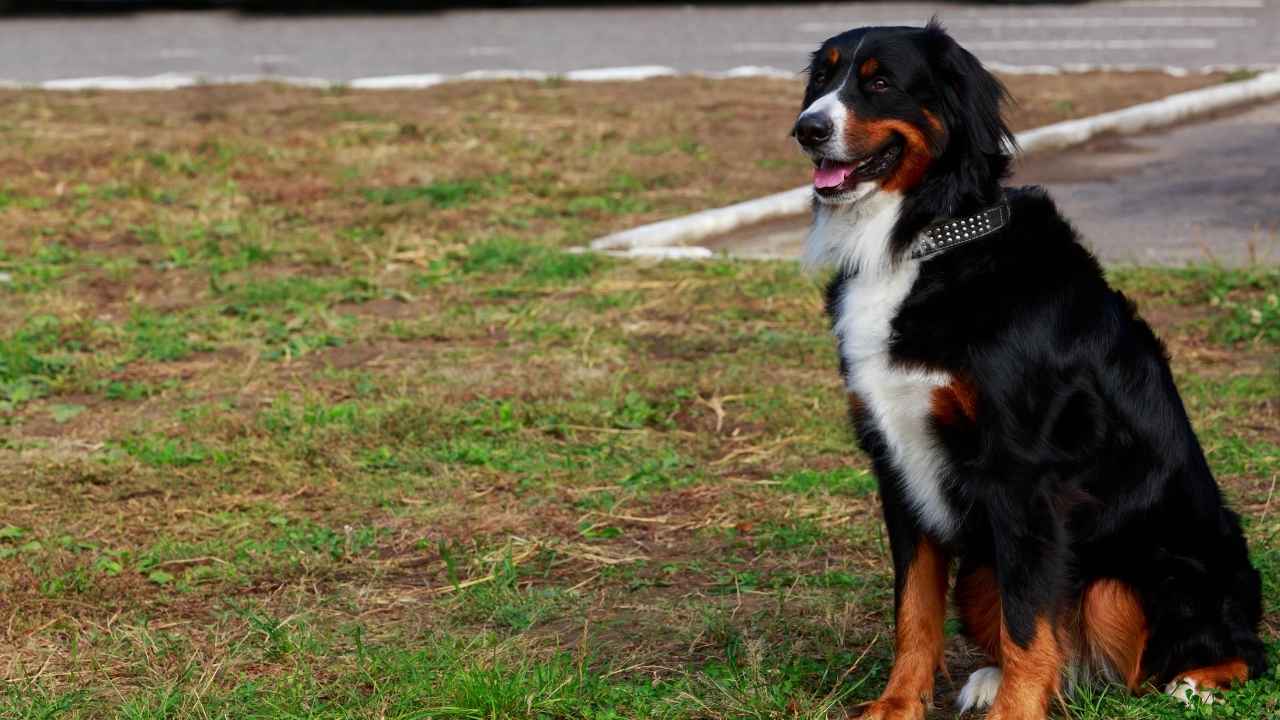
x: 1191, y: 193
x: 1149, y: 33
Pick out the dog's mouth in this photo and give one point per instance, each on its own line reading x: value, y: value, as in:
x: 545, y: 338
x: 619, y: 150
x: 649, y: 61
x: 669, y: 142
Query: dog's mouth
x: 832, y: 177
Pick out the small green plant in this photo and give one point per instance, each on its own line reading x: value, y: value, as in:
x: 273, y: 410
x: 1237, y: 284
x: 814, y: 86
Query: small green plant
x: 159, y: 451
x: 840, y: 481
x: 160, y: 337
x: 441, y: 195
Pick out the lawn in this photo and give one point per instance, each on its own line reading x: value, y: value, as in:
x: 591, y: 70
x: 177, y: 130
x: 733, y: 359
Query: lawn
x: 308, y: 413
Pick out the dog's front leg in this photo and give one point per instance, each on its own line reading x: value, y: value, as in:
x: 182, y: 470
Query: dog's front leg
x: 919, y: 613
x: 1030, y: 557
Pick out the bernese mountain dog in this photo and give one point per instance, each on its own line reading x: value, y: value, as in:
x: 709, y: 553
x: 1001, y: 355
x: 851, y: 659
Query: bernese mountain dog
x: 1021, y: 418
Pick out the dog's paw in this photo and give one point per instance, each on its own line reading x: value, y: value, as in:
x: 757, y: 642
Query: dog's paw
x: 980, y: 690
x: 894, y: 708
x: 1186, y: 689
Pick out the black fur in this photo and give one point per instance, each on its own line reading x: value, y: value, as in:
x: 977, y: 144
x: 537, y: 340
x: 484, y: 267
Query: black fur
x: 1081, y: 463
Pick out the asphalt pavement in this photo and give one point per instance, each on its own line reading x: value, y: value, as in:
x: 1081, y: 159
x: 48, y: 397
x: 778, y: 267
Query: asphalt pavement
x: 1189, y: 34
x: 1204, y: 191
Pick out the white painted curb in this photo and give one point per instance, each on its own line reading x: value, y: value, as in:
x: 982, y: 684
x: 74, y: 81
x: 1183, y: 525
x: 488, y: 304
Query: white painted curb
x: 417, y: 81
x: 647, y: 240
x: 1159, y: 113
x: 708, y: 223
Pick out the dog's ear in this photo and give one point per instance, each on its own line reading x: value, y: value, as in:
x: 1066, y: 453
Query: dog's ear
x: 970, y: 98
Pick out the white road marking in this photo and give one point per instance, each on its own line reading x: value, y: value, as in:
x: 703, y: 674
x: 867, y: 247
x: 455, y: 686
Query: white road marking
x: 839, y: 27
x: 1104, y: 22
x: 177, y: 54
x: 488, y: 50
x: 1061, y: 22
x: 1192, y: 43
x: 1216, y: 4
x: 274, y: 59
x: 1123, y: 44
x: 774, y: 47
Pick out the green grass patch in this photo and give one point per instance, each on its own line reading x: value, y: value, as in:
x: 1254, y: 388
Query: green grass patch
x: 441, y: 195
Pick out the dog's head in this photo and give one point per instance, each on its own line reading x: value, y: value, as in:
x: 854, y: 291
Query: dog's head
x: 887, y: 108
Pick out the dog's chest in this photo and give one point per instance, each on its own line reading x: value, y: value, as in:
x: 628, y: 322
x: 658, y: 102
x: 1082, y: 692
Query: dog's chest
x: 896, y: 399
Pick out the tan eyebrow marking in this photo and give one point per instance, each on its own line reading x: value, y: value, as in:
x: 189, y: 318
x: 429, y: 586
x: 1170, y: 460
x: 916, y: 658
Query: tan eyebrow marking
x: 868, y: 68
x: 833, y: 55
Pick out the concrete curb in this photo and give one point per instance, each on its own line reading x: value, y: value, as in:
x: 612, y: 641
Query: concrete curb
x: 1159, y: 113
x: 647, y: 239
x: 708, y: 223
x: 418, y: 81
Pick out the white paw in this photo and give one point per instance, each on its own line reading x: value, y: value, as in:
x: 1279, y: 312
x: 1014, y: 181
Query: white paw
x: 979, y: 690
x: 1185, y: 689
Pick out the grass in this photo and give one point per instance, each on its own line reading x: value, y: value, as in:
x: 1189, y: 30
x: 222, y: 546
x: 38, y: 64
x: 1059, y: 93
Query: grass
x: 306, y: 418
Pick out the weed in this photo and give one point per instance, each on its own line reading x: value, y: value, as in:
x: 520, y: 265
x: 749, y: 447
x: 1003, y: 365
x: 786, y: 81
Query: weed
x: 843, y: 481
x: 444, y: 194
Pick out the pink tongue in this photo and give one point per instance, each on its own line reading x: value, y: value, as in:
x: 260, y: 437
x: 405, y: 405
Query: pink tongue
x: 831, y: 174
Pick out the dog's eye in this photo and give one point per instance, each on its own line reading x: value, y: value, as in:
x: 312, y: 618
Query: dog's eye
x: 878, y: 84
x: 820, y: 76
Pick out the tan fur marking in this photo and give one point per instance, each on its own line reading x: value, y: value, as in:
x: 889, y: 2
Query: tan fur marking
x: 918, y: 638
x: 868, y: 68
x: 933, y: 120
x: 1223, y: 675
x: 1031, y: 674
x: 1114, y: 628
x: 856, y: 407
x: 953, y: 402
x: 978, y: 601
x: 833, y: 55
x: 863, y: 137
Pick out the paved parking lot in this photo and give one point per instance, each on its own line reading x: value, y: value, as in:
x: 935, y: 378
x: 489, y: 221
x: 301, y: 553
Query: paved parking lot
x: 1149, y: 33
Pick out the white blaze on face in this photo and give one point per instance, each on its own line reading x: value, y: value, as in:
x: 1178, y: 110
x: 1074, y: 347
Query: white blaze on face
x: 832, y: 108
x: 831, y: 105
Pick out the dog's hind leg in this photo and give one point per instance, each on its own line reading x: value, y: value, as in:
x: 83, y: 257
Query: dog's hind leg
x: 1114, y: 629
x: 1204, y: 627
x: 1201, y: 682
x: 1030, y: 673
x: 978, y: 602
x: 1030, y: 566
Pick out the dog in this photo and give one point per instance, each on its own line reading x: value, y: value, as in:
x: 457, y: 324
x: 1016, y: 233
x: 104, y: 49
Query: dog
x: 1020, y: 417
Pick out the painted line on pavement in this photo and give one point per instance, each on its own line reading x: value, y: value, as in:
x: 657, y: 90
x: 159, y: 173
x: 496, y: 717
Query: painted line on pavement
x: 1192, y: 43
x: 1203, y: 4
x: 1062, y: 22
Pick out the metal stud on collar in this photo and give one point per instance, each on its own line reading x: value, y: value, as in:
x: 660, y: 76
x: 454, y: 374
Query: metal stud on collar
x: 950, y: 233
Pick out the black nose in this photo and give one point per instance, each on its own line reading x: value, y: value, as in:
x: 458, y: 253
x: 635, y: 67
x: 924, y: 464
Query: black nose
x: 812, y: 130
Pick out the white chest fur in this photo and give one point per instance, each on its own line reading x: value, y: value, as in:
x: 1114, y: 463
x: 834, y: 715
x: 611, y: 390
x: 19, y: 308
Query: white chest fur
x: 897, y: 398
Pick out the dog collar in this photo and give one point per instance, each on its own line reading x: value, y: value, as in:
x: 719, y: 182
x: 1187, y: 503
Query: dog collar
x: 943, y: 236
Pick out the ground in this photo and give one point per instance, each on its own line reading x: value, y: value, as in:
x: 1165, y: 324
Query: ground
x: 309, y: 413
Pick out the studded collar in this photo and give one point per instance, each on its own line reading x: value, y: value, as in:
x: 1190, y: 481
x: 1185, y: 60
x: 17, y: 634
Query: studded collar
x: 941, y: 237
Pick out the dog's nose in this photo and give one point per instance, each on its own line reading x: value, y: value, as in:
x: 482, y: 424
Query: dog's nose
x: 812, y: 130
